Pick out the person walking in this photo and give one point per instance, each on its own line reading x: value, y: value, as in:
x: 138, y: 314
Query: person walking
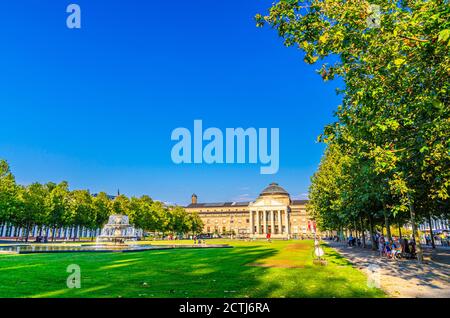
x: 381, y: 244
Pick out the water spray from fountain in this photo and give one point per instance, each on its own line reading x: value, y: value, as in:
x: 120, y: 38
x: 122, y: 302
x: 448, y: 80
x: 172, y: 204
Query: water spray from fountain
x: 118, y: 230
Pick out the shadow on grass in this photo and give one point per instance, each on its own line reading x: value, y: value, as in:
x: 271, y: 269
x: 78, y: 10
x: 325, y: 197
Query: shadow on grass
x: 221, y: 273
x: 334, y: 257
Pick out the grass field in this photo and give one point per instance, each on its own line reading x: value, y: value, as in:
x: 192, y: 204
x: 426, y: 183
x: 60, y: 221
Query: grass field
x: 250, y: 269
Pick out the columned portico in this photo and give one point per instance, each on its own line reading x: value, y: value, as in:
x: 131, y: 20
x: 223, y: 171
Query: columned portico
x: 266, y: 230
x: 252, y: 224
x: 280, y: 226
x: 286, y: 219
x: 258, y: 222
x: 261, y: 218
x: 272, y: 222
x: 273, y: 212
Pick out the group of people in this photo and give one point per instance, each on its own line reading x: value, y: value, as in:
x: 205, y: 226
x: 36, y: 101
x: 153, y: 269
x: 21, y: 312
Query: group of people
x: 41, y: 239
x: 442, y: 239
x: 198, y: 241
x: 395, y: 248
x: 392, y: 248
x: 353, y: 241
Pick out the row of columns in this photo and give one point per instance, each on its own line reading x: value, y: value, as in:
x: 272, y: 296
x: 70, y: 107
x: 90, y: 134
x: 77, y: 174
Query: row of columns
x: 9, y: 231
x: 255, y: 220
x: 436, y: 224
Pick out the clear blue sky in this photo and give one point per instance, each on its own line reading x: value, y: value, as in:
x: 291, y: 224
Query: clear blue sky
x: 97, y: 106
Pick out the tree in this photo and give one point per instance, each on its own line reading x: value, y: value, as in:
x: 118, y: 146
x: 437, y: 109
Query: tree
x: 9, y: 200
x: 81, y: 211
x: 120, y: 205
x: 58, y: 206
x: 325, y: 205
x: 179, y: 221
x: 396, y: 96
x: 146, y: 214
x: 196, y: 224
x: 101, y: 206
x: 33, y: 209
x: 161, y: 214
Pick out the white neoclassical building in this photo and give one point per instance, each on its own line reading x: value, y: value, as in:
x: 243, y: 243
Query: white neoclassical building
x: 272, y: 212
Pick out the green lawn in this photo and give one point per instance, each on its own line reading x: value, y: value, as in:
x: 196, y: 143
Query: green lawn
x: 250, y: 269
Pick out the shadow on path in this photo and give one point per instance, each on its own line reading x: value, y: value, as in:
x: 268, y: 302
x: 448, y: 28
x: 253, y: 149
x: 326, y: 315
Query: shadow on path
x: 404, y: 278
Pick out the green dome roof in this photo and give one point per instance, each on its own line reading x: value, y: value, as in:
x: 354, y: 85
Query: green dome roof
x: 274, y: 189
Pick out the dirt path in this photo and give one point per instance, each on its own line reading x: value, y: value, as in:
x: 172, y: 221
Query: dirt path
x: 403, y: 278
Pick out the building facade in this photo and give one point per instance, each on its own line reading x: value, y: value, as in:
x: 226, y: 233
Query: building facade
x: 272, y: 212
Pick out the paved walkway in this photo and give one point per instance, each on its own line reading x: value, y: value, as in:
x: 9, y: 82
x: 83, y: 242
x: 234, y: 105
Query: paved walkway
x: 404, y: 278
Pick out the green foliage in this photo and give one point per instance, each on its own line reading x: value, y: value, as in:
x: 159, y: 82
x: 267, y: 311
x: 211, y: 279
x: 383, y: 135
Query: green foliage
x: 9, y: 200
x: 33, y: 209
x: 81, y: 210
x: 101, y: 209
x: 393, y: 127
x: 55, y: 206
x: 58, y: 205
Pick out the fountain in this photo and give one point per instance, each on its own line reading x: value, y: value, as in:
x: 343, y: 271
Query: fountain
x: 117, y: 230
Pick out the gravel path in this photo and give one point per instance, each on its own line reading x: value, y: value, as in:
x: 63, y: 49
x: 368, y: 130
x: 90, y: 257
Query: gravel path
x: 403, y: 278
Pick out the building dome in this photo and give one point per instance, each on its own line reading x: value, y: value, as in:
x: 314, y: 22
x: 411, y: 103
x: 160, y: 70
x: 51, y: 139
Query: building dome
x: 274, y: 189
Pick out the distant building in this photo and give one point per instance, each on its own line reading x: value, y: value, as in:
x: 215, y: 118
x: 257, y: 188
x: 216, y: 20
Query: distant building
x: 272, y: 212
x: 438, y: 226
x: 110, y: 197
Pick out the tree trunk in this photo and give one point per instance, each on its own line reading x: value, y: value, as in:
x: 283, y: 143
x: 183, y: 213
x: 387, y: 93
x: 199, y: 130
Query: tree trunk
x: 400, y: 231
x: 415, y: 232
x: 431, y: 231
x: 372, y: 234
x: 363, y: 233
x: 388, y: 226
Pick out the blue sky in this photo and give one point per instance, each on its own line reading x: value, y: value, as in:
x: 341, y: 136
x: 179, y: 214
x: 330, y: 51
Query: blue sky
x: 97, y: 106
